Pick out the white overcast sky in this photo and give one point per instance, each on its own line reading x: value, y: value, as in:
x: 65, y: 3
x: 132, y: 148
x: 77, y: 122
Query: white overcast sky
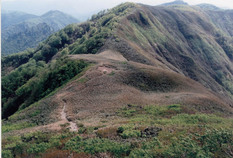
x: 80, y: 8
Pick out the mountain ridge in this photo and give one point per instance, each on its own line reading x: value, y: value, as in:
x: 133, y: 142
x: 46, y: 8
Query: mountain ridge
x: 176, y: 2
x: 126, y: 76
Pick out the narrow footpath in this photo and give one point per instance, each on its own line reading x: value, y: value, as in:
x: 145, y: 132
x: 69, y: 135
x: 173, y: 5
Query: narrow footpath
x: 73, y: 126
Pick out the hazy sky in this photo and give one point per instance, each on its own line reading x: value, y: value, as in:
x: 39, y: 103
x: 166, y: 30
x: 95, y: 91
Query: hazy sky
x: 79, y: 8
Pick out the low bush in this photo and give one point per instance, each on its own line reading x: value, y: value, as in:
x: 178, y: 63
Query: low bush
x: 10, y: 127
x: 130, y: 134
x: 164, y: 111
x: 207, y: 143
x: 7, y: 154
x: 97, y: 145
x: 38, y: 148
x: 128, y: 131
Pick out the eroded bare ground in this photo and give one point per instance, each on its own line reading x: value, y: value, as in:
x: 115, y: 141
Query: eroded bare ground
x: 103, y: 57
x: 72, y: 126
x: 114, y: 82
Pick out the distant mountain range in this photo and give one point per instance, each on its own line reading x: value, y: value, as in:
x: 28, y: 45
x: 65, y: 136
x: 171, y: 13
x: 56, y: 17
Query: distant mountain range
x: 208, y: 6
x: 205, y: 6
x: 22, y: 30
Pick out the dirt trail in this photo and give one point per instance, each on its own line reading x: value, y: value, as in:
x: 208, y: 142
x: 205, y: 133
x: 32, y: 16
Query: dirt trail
x: 56, y: 126
x: 105, y: 56
x: 73, y: 126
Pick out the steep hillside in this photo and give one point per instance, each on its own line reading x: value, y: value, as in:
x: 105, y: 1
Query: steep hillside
x: 21, y: 31
x: 134, y: 81
x: 222, y: 20
x: 186, y: 42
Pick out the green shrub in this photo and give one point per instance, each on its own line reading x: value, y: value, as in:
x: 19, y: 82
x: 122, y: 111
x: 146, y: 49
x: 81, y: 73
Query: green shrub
x: 82, y: 130
x: 54, y: 41
x: 216, y: 141
x: 152, y: 144
x: 212, y: 143
x: 186, y: 147
x: 55, y: 141
x: 207, y: 143
x: 130, y: 134
x: 38, y: 148
x: 97, y: 145
x: 140, y: 153
x: 147, y: 148
x: 18, y: 126
x: 196, y: 119
x: 164, y: 110
x: 128, y: 131
x: 19, y: 148
x: 175, y: 107
x: 7, y: 154
x: 123, y: 128
x: 128, y: 112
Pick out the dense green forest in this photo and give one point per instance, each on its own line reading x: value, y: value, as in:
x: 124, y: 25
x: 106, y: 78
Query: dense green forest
x: 35, y: 80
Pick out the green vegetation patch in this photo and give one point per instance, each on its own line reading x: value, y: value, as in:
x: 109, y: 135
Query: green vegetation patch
x: 38, y: 143
x: 128, y: 131
x: 172, y: 115
x: 33, y: 81
x: 10, y: 127
x: 148, y: 131
x: 99, y: 29
x: 98, y: 145
x: 205, y: 143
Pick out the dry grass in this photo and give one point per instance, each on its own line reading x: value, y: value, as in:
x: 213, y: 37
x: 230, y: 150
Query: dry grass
x: 109, y: 132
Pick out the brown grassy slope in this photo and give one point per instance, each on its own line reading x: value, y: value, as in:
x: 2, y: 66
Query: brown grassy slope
x: 182, y: 41
x: 111, y: 85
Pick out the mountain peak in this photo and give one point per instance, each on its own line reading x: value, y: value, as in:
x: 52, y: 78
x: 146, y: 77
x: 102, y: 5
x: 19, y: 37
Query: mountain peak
x: 176, y: 2
x: 52, y: 12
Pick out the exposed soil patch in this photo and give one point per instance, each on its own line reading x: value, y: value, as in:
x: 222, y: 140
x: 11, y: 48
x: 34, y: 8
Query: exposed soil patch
x: 106, y: 56
x: 106, y: 69
x: 73, y: 126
